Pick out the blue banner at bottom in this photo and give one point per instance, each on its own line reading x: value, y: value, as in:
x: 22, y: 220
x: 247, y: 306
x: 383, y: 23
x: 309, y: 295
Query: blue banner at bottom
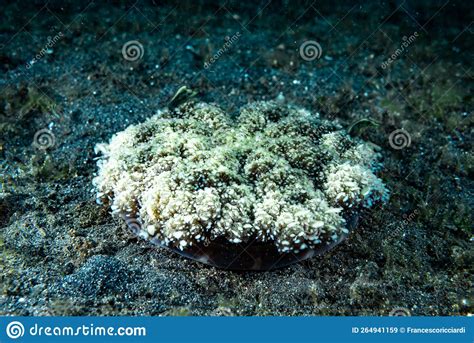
x: 236, y: 329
